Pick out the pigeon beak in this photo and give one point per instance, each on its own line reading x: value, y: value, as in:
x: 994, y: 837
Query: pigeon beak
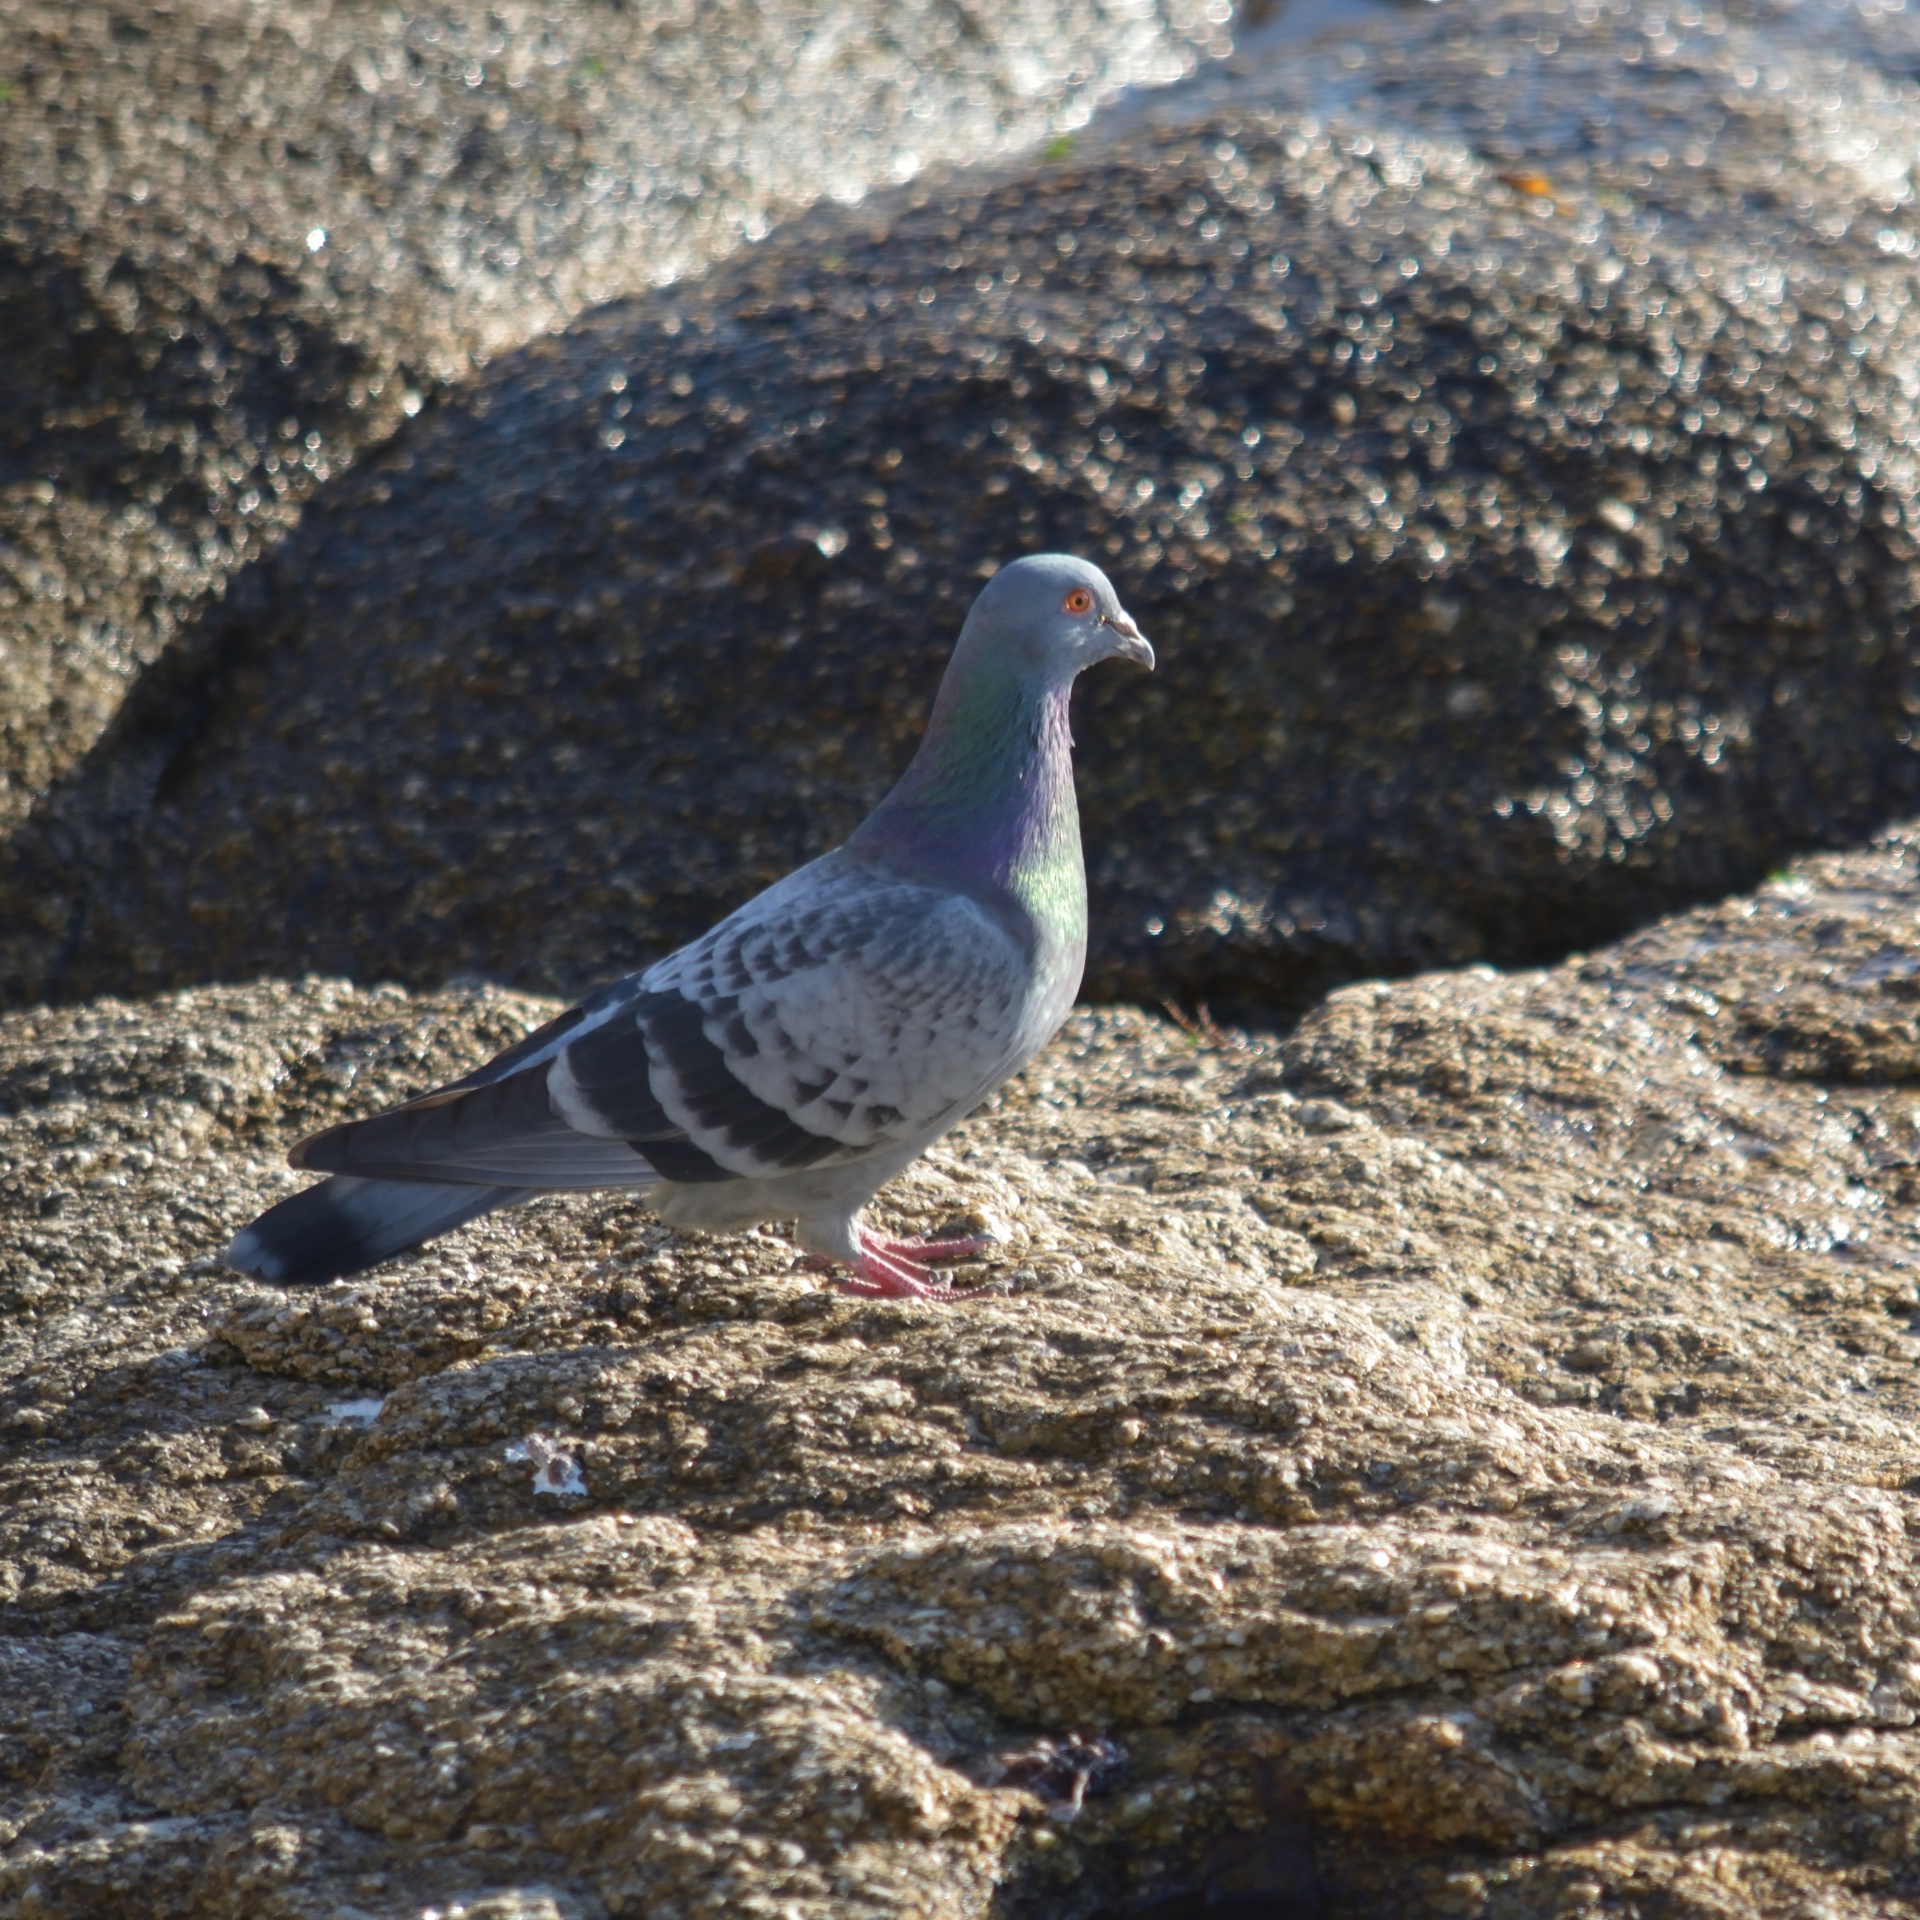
x: 1132, y: 644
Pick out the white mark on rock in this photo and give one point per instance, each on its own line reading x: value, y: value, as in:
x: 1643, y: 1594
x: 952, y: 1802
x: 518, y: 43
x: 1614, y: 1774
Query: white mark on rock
x: 555, y: 1471
x: 355, y: 1413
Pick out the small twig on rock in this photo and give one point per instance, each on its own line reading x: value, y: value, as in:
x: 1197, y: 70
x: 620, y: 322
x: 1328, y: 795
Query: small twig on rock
x: 1201, y: 1028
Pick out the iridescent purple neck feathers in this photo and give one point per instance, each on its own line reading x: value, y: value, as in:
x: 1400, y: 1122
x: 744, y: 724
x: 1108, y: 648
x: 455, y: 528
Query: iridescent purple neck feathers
x: 988, y: 801
x: 987, y: 806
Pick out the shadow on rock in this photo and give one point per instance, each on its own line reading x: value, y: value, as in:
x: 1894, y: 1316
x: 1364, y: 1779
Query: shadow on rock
x: 1265, y: 1872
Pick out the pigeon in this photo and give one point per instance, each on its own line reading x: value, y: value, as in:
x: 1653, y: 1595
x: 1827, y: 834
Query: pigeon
x: 789, y: 1063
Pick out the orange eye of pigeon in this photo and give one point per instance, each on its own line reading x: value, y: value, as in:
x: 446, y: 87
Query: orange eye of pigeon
x: 1078, y: 601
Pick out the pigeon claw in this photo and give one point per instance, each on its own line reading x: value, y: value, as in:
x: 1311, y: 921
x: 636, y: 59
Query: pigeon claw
x: 926, y: 1252
x: 899, y: 1269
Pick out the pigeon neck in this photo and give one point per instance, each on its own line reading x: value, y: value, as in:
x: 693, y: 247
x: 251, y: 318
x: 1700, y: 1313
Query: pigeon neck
x: 988, y: 802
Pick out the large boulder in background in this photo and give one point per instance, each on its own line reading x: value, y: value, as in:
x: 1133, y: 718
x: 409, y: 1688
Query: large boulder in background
x: 1529, y: 547
x: 240, y: 241
x: 1464, y: 1454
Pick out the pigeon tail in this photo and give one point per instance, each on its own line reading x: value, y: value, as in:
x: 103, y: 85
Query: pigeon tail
x: 346, y: 1224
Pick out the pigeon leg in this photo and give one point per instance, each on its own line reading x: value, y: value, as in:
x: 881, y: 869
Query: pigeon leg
x: 925, y: 1252
x: 887, y: 1269
x: 886, y: 1272
x: 890, y: 1270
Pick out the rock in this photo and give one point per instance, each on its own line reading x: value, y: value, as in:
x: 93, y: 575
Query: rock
x: 239, y: 244
x: 1481, y: 1420
x: 1526, y: 557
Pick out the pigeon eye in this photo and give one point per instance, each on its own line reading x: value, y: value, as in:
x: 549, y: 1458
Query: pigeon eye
x: 1078, y: 601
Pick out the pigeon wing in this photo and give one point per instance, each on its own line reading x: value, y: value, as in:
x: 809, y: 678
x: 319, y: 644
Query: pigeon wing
x: 836, y: 1017
x: 496, y: 1123
x: 839, y: 1017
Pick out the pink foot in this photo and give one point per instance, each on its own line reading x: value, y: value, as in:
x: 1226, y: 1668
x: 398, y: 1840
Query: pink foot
x: 897, y: 1269
x: 926, y: 1252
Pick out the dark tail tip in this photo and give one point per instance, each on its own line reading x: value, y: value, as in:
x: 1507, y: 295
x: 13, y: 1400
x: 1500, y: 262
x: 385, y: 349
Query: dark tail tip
x: 347, y: 1224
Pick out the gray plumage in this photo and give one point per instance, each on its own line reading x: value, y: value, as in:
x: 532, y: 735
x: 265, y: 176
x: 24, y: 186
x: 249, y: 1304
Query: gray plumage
x: 791, y: 1061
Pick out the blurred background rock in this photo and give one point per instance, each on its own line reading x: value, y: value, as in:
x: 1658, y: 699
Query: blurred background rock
x: 241, y: 242
x: 1502, y: 427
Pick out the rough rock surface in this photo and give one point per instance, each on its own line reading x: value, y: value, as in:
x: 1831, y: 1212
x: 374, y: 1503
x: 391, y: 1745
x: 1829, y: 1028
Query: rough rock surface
x: 240, y: 241
x: 1510, y: 456
x: 1469, y: 1442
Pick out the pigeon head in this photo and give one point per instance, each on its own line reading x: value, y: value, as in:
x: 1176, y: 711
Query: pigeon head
x: 1053, y: 615
x: 988, y: 802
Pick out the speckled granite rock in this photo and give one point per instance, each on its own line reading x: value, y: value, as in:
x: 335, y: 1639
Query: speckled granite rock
x: 240, y: 241
x: 1482, y: 1421
x: 1515, y: 477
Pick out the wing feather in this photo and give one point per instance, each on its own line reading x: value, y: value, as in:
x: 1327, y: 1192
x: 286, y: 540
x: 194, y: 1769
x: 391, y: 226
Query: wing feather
x: 837, y: 1017
x: 821, y: 1024
x: 503, y: 1132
